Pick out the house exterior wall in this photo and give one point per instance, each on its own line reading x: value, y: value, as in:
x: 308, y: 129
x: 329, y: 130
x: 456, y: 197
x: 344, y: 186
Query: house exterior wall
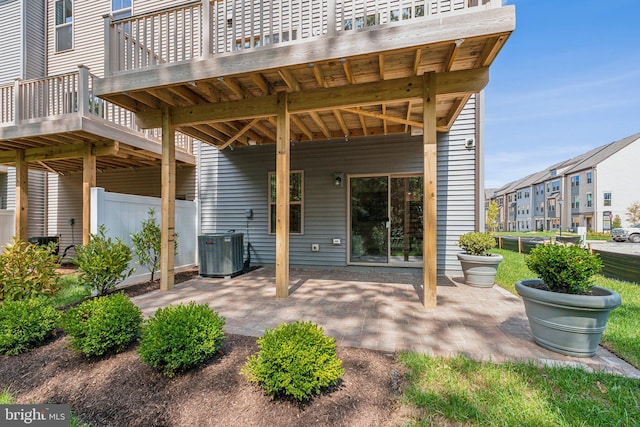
x: 619, y: 175
x: 538, y: 206
x: 523, y: 209
x: 37, y: 204
x: 34, y: 39
x: 242, y: 183
x: 4, y: 186
x: 11, y: 52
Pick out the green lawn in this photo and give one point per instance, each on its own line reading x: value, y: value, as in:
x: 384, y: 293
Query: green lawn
x: 72, y: 291
x: 459, y: 391
x: 622, y: 335
x: 549, y: 234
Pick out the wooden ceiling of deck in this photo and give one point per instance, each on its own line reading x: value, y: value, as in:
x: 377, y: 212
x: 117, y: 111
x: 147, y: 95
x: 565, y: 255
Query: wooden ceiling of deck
x: 381, y: 119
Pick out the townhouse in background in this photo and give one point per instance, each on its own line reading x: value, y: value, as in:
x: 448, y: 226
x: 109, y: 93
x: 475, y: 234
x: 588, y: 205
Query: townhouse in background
x: 588, y: 190
x: 369, y: 113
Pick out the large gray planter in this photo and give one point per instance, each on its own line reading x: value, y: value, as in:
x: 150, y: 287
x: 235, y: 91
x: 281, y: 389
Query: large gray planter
x: 565, y: 323
x: 479, y: 270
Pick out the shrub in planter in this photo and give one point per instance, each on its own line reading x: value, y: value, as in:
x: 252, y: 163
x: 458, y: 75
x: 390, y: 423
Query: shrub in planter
x: 103, y: 262
x: 478, y: 265
x: 566, y: 269
x: 477, y: 243
x: 28, y: 270
x: 295, y: 360
x: 180, y: 337
x: 103, y: 325
x: 25, y: 323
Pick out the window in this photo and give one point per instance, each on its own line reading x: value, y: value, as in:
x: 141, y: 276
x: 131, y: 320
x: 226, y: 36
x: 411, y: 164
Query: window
x: 296, y: 202
x: 64, y: 25
x: 519, y: 195
x: 120, y: 8
x: 589, y: 177
x: 556, y: 186
x: 607, y: 199
x: 554, y: 172
x: 575, y: 180
x: 589, y: 200
x: 575, y: 202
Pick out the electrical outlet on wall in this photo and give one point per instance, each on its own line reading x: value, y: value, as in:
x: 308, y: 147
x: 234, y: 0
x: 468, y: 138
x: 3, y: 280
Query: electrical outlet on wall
x: 315, y: 247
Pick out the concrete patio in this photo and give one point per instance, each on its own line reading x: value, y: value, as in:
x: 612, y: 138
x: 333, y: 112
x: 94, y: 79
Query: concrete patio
x: 380, y: 311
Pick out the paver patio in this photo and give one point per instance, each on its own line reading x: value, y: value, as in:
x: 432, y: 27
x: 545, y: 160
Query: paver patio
x: 380, y: 311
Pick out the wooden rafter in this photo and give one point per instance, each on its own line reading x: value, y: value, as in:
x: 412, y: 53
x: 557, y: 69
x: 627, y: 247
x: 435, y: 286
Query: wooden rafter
x: 375, y: 115
x: 262, y: 83
x: 381, y: 65
x: 318, y: 121
x: 290, y: 80
x: 300, y: 125
x: 491, y: 49
x: 340, y: 119
x: 416, y: 61
x: 409, y: 106
x: 453, y: 52
x: 458, y: 105
x: 235, y: 86
x: 241, y: 132
x: 317, y: 73
x: 348, y: 72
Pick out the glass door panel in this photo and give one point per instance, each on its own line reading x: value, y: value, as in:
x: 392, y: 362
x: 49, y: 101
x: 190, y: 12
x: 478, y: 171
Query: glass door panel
x: 406, y: 219
x: 369, y: 219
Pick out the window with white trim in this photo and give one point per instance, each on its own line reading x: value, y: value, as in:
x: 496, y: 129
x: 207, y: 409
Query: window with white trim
x: 121, y: 8
x: 607, y: 199
x: 589, y: 200
x: 64, y: 25
x: 296, y: 202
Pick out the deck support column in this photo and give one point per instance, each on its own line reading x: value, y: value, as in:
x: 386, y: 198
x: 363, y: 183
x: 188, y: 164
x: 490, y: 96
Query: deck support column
x: 168, y: 220
x: 430, y: 207
x: 22, y: 197
x: 88, y: 181
x: 283, y: 171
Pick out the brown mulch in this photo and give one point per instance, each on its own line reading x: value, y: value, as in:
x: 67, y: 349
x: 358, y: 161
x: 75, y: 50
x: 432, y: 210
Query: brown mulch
x: 121, y: 391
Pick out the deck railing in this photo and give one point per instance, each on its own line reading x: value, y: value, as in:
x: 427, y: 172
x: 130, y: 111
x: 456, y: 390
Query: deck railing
x: 200, y: 29
x: 71, y: 93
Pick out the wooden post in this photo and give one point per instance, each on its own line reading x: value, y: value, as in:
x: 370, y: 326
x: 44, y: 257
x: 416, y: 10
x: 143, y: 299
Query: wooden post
x: 88, y: 181
x: 17, y: 103
x: 22, y: 197
x: 83, y: 90
x: 283, y: 157
x: 500, y: 242
x: 109, y: 46
x: 519, y: 245
x: 168, y: 220
x: 206, y: 29
x: 430, y: 207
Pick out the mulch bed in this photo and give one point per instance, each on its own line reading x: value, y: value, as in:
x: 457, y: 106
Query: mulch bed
x: 121, y: 391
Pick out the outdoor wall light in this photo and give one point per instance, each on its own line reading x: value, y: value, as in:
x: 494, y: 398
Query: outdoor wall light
x: 338, y: 179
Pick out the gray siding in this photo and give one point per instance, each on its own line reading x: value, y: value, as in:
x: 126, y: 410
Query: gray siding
x: 242, y: 177
x: 34, y: 39
x: 11, y: 52
x: 143, y: 182
x: 37, y: 221
x: 3, y: 190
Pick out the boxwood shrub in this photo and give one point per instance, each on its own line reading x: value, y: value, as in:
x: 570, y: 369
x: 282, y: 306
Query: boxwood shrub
x: 180, y: 337
x: 295, y: 360
x: 25, y: 324
x: 103, y: 325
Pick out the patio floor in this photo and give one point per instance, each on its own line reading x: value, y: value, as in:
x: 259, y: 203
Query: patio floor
x: 380, y: 311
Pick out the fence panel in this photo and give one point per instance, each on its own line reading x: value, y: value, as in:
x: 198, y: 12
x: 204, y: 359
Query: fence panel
x: 122, y: 215
x: 7, y: 227
x: 620, y: 266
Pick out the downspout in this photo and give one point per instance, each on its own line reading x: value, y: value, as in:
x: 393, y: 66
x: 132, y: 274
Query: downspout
x: 479, y: 164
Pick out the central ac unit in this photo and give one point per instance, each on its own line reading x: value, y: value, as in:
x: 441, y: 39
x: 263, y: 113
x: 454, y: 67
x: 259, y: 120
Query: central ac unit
x: 221, y: 255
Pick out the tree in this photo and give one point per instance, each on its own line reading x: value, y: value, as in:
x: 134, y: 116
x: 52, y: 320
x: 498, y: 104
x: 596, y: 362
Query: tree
x: 147, y: 243
x: 633, y: 213
x: 491, y: 221
x: 617, y: 222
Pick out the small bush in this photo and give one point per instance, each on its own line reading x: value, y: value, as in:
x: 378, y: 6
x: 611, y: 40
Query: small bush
x: 477, y: 243
x: 103, y: 263
x: 567, y: 269
x: 146, y: 244
x: 25, y: 323
x: 28, y: 270
x: 103, y: 325
x: 180, y: 337
x: 295, y: 360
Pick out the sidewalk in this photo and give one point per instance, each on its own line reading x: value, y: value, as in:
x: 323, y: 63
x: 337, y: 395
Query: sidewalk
x: 380, y: 311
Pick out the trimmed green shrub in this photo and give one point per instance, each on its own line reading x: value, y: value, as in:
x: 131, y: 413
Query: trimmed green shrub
x: 28, y: 270
x: 180, y: 337
x: 566, y: 269
x: 146, y: 244
x: 103, y: 325
x: 477, y: 243
x: 103, y: 262
x: 295, y: 360
x: 26, y: 323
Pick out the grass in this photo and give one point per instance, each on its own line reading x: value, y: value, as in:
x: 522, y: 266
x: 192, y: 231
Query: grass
x: 622, y: 334
x: 550, y: 234
x: 459, y: 391
x: 8, y: 398
x: 72, y: 291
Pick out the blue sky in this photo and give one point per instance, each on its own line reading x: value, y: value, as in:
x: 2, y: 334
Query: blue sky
x: 566, y: 81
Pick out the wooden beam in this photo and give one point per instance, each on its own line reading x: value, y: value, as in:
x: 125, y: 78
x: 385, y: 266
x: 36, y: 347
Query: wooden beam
x: 60, y: 152
x: 453, y: 52
x: 289, y: 79
x: 318, y: 121
x: 430, y: 208
x: 382, y: 116
x: 395, y: 90
x: 262, y: 83
x: 283, y: 171
x: 22, y: 196
x: 235, y: 86
x: 168, y: 193
x: 239, y: 134
x: 340, y: 119
x: 317, y: 73
x: 416, y: 61
x: 88, y: 181
x: 381, y: 65
x: 491, y: 50
x: 348, y: 72
x: 458, y: 105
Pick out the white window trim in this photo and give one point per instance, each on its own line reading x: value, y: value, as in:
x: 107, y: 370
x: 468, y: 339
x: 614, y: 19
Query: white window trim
x: 124, y: 9
x: 301, y: 203
x: 66, y: 24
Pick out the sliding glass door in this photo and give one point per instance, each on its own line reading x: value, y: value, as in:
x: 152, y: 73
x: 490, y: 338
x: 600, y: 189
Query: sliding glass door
x: 386, y: 219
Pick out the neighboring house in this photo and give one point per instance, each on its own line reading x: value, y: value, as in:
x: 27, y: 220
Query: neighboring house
x: 588, y: 190
x: 334, y: 134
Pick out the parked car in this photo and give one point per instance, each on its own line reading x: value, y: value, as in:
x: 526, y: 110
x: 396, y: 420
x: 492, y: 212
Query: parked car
x: 628, y: 233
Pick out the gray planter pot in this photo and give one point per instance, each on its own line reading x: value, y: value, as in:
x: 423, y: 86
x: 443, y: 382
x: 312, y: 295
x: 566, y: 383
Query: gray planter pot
x: 565, y: 323
x: 479, y: 270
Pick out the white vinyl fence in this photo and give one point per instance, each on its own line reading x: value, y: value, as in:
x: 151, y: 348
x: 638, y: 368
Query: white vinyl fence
x: 122, y: 215
x: 7, y: 227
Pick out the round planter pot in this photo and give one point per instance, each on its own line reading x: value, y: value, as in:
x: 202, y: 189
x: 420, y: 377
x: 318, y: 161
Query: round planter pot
x: 565, y: 323
x: 479, y: 271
